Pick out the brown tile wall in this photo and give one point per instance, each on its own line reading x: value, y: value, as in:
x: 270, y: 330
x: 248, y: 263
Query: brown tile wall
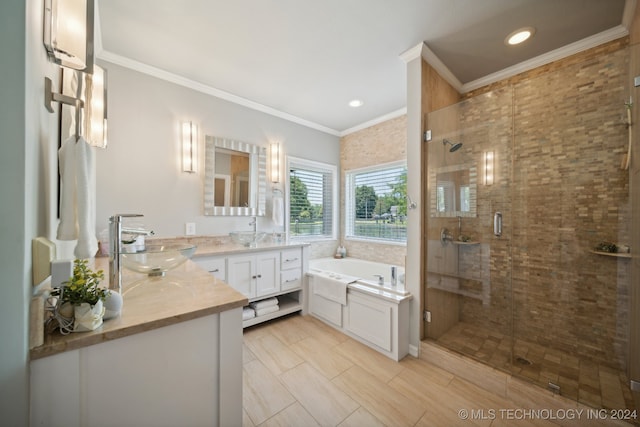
x: 561, y: 190
x: 382, y: 143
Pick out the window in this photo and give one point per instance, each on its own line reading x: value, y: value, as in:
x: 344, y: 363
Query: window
x: 376, y: 203
x: 312, y: 199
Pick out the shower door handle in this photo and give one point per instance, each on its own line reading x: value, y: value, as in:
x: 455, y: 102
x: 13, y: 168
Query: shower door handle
x: 497, y: 224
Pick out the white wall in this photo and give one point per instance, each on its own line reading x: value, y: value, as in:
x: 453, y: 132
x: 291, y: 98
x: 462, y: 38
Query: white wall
x: 27, y: 176
x: 139, y: 172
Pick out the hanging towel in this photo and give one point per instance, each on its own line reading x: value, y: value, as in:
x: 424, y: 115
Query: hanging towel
x: 264, y: 303
x: 87, y: 245
x: 267, y: 310
x: 278, y: 209
x: 77, y: 199
x: 68, y: 226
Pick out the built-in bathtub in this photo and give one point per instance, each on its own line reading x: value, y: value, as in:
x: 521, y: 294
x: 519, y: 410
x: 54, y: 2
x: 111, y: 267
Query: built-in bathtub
x: 366, y: 273
x: 373, y: 313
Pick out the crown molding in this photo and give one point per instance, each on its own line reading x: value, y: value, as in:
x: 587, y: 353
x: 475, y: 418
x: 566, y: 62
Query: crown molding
x: 108, y: 56
x: 412, y: 53
x: 433, y: 60
x: 381, y: 119
x: 554, y: 55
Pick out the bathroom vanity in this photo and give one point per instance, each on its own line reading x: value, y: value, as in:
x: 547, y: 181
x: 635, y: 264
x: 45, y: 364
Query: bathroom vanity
x: 269, y: 270
x: 173, y: 357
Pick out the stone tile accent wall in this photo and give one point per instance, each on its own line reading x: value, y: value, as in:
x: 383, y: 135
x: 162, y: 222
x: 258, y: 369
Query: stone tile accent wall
x: 382, y: 143
x: 560, y: 188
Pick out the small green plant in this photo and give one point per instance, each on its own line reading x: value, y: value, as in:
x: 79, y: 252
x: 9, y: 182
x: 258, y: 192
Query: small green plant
x: 607, y: 247
x: 83, y: 285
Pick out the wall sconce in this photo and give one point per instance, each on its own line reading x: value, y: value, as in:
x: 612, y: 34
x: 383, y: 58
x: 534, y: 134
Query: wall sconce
x: 87, y: 93
x: 274, y: 153
x: 189, y: 146
x: 488, y: 167
x: 68, y: 33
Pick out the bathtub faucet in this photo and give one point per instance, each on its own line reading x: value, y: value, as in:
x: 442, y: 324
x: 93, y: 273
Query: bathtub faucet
x: 380, y: 279
x: 394, y: 275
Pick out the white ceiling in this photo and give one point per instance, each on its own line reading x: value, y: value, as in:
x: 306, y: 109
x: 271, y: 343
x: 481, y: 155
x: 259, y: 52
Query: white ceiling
x: 305, y: 60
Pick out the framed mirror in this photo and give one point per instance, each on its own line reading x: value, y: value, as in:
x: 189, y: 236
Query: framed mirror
x: 235, y: 178
x: 453, y: 191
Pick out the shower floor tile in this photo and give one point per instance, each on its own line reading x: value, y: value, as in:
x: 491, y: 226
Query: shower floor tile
x: 587, y: 382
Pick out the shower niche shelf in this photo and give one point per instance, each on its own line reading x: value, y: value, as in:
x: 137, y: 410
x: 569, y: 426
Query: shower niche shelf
x: 612, y: 254
x: 471, y: 242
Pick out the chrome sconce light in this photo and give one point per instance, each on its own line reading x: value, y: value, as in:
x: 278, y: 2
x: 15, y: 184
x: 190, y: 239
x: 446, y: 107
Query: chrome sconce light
x: 189, y: 146
x: 274, y: 154
x: 87, y: 93
x: 488, y: 168
x: 68, y: 33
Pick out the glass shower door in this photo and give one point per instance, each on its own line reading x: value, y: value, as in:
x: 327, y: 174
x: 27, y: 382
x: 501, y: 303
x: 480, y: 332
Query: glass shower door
x: 468, y: 295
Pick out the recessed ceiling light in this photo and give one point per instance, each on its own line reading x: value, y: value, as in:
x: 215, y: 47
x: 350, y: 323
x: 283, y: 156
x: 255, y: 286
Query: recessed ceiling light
x: 355, y: 103
x: 519, y: 36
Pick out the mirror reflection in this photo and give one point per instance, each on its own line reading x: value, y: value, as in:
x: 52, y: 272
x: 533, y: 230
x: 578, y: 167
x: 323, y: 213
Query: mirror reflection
x: 235, y: 178
x: 453, y: 191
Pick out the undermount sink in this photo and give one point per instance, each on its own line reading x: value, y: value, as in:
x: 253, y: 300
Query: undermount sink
x: 247, y: 238
x: 156, y: 260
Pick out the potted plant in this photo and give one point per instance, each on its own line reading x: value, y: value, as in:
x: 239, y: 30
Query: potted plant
x: 80, y: 300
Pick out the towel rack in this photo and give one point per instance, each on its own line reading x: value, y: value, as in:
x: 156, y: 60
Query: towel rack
x: 51, y: 96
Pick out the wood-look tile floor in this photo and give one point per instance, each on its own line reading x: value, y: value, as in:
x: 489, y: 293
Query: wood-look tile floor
x: 300, y: 372
x: 585, y: 381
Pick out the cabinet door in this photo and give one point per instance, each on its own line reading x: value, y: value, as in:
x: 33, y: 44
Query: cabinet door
x: 241, y: 274
x: 268, y: 273
x: 214, y: 265
x: 291, y: 258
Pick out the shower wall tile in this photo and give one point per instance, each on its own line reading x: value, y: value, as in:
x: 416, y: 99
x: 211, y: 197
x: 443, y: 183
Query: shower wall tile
x: 559, y: 139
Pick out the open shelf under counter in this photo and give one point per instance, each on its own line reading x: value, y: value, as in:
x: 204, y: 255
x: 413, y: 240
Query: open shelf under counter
x: 613, y: 254
x: 288, y: 304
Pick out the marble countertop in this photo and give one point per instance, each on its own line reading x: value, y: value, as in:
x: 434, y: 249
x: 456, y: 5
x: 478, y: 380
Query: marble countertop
x: 222, y: 245
x: 185, y: 293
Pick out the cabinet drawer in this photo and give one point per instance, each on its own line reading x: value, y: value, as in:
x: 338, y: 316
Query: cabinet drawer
x: 290, y: 279
x: 215, y: 266
x: 291, y: 258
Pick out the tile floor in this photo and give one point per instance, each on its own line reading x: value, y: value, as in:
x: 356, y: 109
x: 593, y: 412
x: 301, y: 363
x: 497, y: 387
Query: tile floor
x: 300, y: 372
x: 587, y: 382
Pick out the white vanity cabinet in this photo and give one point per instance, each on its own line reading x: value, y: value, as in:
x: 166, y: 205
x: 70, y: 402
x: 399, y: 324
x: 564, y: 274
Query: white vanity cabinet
x: 255, y: 275
x: 187, y: 373
x: 264, y: 273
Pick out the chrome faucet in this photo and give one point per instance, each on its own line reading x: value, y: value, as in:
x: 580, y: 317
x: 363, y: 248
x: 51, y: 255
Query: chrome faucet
x: 380, y: 279
x: 115, y: 238
x: 394, y: 275
x: 254, y: 224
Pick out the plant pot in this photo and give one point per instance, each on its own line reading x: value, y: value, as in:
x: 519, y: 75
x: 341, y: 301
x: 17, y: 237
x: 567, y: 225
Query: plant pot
x: 88, y: 317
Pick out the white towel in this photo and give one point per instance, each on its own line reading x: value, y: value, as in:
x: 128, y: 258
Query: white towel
x: 77, y: 196
x: 248, y: 313
x: 68, y: 226
x: 267, y: 310
x: 278, y: 209
x: 264, y: 303
x: 332, y: 286
x: 87, y: 245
